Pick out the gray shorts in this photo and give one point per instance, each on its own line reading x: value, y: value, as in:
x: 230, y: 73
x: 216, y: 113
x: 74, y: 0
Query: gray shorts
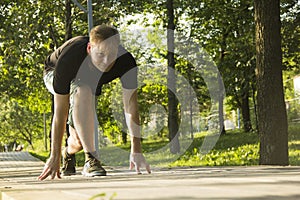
x: 48, y: 80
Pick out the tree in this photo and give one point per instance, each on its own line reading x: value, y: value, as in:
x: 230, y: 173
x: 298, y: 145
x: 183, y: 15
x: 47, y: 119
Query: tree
x: 225, y: 29
x: 19, y: 123
x: 272, y: 118
x: 172, y: 100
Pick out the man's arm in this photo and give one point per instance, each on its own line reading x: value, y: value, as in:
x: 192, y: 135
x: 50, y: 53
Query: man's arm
x: 61, y: 108
x: 132, y: 119
x: 137, y: 159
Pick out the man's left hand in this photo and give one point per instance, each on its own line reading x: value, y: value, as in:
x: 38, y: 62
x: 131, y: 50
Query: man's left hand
x: 137, y: 160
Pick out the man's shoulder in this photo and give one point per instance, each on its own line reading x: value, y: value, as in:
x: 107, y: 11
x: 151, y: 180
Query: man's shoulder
x: 73, y: 46
x: 80, y: 38
x: 122, y: 50
x: 77, y: 40
x: 124, y: 54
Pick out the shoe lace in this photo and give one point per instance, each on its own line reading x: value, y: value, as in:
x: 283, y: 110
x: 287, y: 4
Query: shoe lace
x: 95, y: 162
x: 67, y: 159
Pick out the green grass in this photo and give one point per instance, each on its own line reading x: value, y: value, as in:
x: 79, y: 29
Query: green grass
x: 42, y: 155
x: 294, y: 145
x: 236, y: 148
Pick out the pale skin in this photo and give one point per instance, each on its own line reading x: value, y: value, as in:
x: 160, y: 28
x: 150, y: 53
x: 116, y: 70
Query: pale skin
x: 82, y: 135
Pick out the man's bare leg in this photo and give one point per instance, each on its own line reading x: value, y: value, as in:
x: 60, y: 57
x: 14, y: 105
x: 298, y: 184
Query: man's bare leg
x: 74, y: 144
x: 83, y: 116
x: 84, y: 122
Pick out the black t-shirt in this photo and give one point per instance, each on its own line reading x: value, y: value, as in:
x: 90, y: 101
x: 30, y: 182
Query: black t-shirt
x: 72, y: 62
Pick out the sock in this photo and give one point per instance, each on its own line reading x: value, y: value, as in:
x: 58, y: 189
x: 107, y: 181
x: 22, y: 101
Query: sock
x: 89, y: 155
x: 66, y: 152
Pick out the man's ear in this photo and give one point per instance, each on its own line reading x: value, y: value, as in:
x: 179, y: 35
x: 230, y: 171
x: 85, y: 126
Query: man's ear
x: 88, y: 47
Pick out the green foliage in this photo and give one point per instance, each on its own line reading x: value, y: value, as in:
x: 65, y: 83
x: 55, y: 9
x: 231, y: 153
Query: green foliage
x: 226, y: 32
x: 290, y: 32
x: 110, y: 111
x: 112, y: 131
x: 19, y: 123
x: 22, y: 49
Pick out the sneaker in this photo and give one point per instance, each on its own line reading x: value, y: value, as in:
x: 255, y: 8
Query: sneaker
x: 69, y: 163
x: 92, y: 168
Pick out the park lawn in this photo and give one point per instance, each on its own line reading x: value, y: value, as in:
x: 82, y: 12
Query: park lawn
x: 294, y: 145
x: 232, y: 149
x: 235, y: 148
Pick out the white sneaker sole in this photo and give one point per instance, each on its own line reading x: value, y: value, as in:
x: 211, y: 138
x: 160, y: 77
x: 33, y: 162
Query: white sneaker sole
x: 93, y: 174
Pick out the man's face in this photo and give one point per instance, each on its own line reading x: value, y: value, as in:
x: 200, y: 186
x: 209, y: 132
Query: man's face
x: 103, y: 55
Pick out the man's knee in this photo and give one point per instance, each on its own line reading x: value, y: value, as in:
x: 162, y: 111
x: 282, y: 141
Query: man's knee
x: 74, y: 142
x: 83, y: 93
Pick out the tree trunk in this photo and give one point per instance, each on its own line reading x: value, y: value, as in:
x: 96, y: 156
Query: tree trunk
x: 253, y: 87
x: 272, y: 118
x: 246, y: 110
x: 222, y: 130
x: 68, y: 22
x: 220, y: 83
x: 172, y: 100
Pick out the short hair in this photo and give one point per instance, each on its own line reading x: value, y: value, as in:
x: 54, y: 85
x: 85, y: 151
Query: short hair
x: 102, y: 32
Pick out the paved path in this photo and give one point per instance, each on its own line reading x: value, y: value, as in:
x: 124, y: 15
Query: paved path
x: 19, y: 171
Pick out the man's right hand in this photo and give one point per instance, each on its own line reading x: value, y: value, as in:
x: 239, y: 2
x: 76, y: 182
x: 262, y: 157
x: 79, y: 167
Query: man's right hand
x: 51, y: 168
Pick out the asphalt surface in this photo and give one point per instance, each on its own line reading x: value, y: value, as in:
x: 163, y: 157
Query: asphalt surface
x: 19, y: 172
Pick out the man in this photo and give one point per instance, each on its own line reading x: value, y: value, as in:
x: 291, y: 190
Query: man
x: 74, y: 74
